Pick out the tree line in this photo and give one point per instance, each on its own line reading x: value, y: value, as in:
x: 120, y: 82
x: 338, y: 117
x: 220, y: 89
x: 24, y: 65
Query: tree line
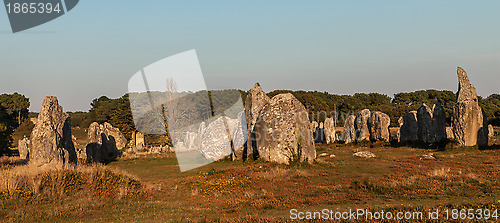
x: 320, y: 105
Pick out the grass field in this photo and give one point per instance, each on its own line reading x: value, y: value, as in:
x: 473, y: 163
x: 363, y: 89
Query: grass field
x: 225, y: 191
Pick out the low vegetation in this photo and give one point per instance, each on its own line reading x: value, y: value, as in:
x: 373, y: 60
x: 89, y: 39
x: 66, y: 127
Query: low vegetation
x: 398, y: 179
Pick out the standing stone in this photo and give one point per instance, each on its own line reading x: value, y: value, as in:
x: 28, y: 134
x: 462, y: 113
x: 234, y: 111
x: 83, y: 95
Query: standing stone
x: 449, y: 133
x: 319, y: 136
x: 282, y: 123
x: 424, y: 117
x: 408, y: 130
x: 116, y: 135
x: 140, y: 142
x: 330, y: 130
x: 23, y: 148
x: 431, y: 123
x: 379, y: 126
x: 491, y: 131
x: 361, y: 125
x: 215, y: 143
x: 438, y: 122
x: 349, y: 129
x: 468, y: 125
x: 51, y: 137
x: 254, y: 103
x: 314, y: 126
x: 104, y: 142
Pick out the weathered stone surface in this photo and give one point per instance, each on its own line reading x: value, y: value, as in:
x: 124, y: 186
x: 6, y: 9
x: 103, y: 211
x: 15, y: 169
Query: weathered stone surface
x: 427, y: 157
x: 449, y: 133
x: 361, y: 125
x: 469, y: 127
x: 254, y: 103
x: 215, y: 143
x: 408, y: 130
x: 439, y: 122
x: 424, y: 120
x: 330, y: 130
x: 116, y: 135
x: 278, y: 128
x: 103, y: 142
x: 431, y: 123
x: 364, y: 154
x: 314, y: 126
x: 491, y: 131
x: 379, y: 126
x: 23, y: 148
x: 319, y: 134
x: 349, y: 129
x: 140, y: 142
x: 51, y: 137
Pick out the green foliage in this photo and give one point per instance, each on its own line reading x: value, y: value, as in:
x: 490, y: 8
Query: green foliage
x: 78, y: 119
x: 13, y: 111
x: 413, y: 100
x: 115, y: 111
x: 322, y: 104
x: 16, y: 105
x: 491, y: 107
x: 5, y: 131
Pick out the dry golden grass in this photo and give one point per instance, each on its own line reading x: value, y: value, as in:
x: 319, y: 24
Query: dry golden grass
x: 49, y: 182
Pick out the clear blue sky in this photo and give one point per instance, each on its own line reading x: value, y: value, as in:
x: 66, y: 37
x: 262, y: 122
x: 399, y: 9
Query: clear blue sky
x: 342, y: 47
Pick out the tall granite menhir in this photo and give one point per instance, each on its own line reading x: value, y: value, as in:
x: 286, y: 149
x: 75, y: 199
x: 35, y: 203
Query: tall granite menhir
x: 278, y: 128
x: 51, y: 137
x: 469, y: 125
x: 255, y: 101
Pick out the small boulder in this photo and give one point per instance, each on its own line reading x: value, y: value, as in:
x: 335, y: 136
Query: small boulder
x: 364, y: 154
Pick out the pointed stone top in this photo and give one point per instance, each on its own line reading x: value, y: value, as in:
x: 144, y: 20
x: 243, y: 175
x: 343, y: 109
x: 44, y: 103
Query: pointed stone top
x: 466, y: 91
x: 49, y: 105
x: 256, y: 85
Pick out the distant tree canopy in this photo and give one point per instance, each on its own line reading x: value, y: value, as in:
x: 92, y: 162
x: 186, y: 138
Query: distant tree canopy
x: 5, y: 131
x: 16, y: 105
x: 322, y: 104
x: 115, y: 111
x: 13, y: 112
x: 14, y: 108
